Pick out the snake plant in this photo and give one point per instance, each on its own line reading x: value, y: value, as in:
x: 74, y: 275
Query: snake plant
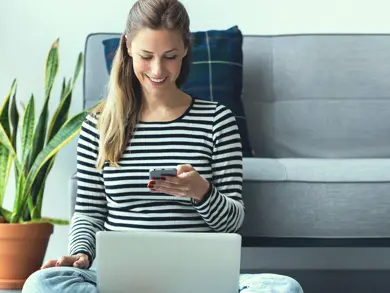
x: 31, y: 146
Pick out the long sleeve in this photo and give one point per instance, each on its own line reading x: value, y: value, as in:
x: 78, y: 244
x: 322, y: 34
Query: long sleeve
x: 90, y: 210
x: 223, y: 208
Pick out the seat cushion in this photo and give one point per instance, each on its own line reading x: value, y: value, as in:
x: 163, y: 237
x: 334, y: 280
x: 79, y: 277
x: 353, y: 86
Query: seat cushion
x: 316, y: 198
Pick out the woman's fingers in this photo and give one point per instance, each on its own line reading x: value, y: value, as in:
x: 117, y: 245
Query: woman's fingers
x: 65, y: 261
x: 82, y: 262
x: 49, y: 264
x: 79, y: 261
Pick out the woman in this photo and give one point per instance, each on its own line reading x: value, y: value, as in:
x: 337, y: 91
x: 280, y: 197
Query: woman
x: 148, y: 122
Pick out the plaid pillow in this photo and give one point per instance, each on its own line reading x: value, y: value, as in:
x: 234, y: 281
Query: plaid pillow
x: 110, y: 47
x: 216, y: 72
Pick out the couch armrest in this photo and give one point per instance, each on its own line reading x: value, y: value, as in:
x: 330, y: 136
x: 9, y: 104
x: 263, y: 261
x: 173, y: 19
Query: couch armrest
x: 72, y: 192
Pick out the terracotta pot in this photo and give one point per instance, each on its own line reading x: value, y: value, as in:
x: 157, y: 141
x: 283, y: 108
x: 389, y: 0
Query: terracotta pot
x: 22, y: 250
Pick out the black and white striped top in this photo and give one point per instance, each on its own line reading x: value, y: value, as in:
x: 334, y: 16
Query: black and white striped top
x: 117, y: 198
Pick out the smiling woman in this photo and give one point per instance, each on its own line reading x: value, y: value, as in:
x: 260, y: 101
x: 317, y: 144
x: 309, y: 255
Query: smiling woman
x: 152, y: 29
x: 148, y: 122
x: 157, y: 56
x: 161, y: 63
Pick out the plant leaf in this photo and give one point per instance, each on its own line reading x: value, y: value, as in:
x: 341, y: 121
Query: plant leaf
x: 4, y: 111
x: 38, y: 187
x: 5, y: 156
x: 28, y: 129
x: 6, y: 142
x: 39, y: 196
x: 51, y: 68
x: 60, y: 116
x: 5, y: 168
x: 69, y: 130
x: 14, y: 115
x: 52, y: 63
x: 78, y: 67
x: 62, y: 111
x: 6, y: 214
x: 68, y: 86
x: 18, y: 204
x: 63, y: 88
x: 39, y: 134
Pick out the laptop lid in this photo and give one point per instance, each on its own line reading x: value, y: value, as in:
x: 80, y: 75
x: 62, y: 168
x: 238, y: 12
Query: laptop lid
x: 168, y: 262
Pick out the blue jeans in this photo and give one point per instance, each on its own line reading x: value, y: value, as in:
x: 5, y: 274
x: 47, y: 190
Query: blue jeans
x: 73, y: 280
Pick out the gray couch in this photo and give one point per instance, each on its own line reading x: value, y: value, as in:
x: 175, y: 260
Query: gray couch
x: 317, y: 192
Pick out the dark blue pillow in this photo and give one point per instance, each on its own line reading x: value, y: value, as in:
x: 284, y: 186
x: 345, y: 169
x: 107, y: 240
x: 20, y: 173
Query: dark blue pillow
x: 216, y: 73
x: 110, y: 46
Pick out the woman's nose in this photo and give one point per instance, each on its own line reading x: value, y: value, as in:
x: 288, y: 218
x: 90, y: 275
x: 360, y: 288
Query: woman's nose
x: 156, y: 68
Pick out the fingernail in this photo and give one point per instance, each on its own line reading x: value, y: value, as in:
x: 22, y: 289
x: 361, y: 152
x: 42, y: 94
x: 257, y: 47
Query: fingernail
x: 152, y: 182
x: 57, y: 264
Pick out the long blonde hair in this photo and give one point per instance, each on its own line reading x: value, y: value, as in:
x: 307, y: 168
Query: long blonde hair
x: 119, y: 112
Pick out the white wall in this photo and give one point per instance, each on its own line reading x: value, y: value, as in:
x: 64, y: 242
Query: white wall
x: 28, y: 28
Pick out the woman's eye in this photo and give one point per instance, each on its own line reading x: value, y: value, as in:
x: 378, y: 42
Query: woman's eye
x: 150, y: 57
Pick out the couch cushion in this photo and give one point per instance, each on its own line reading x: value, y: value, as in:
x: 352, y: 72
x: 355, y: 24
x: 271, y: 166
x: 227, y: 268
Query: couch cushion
x: 318, y: 96
x: 317, y: 170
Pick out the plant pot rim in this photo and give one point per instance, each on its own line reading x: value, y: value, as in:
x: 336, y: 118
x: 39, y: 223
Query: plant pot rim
x: 28, y: 230
x: 43, y: 223
x: 27, y: 223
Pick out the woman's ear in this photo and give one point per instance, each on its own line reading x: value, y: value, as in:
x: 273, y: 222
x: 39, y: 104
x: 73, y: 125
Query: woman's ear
x: 127, y: 45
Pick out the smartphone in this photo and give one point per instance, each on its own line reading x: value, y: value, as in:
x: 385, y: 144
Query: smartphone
x: 158, y: 173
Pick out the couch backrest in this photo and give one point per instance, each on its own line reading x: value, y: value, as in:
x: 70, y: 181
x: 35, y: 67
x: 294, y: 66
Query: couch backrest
x: 304, y: 95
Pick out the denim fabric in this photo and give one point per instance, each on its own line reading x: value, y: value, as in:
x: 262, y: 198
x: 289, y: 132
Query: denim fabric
x: 73, y: 280
x: 268, y: 283
x: 61, y: 279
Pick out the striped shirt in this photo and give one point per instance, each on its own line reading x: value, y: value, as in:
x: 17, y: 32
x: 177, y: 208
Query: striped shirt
x: 117, y: 198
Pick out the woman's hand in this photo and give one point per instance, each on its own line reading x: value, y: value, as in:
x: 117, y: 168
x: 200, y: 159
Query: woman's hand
x: 79, y: 260
x: 187, y: 183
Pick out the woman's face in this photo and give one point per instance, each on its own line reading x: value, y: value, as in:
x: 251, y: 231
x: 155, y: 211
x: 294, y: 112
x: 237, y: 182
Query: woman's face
x: 157, y: 58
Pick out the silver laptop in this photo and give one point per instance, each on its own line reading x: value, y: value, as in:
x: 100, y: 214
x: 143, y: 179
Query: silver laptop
x: 167, y: 262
